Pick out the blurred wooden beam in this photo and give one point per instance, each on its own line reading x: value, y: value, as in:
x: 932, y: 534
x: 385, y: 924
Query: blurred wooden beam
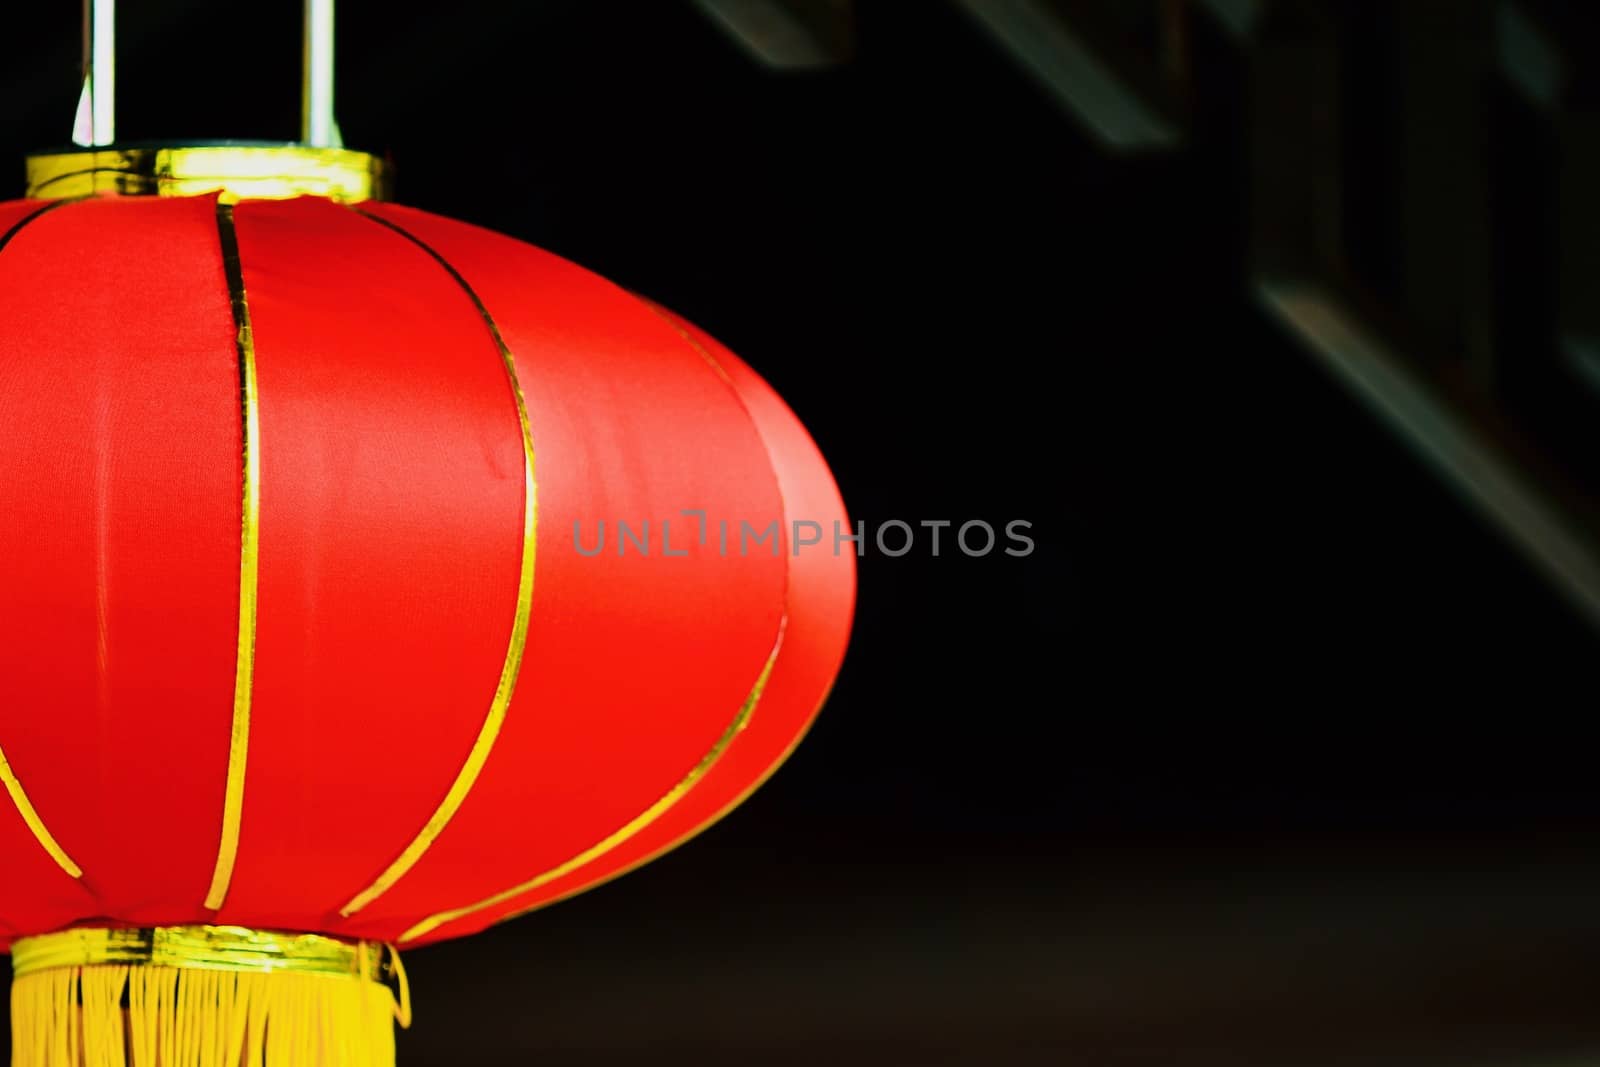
x: 1528, y: 57
x: 1238, y: 17
x: 787, y: 34
x: 1374, y: 242
x: 1529, y: 503
x: 1107, y: 85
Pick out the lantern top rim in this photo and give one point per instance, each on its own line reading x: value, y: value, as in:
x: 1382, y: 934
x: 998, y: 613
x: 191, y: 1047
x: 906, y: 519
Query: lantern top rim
x: 238, y: 170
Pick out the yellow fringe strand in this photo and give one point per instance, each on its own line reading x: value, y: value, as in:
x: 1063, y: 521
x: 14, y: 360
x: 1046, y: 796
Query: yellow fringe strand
x: 120, y: 1015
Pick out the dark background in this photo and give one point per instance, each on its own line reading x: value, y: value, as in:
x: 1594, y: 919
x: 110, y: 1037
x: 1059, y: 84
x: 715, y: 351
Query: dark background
x: 1274, y: 750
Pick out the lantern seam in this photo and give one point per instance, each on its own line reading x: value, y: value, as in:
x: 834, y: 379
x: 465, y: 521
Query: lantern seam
x: 22, y: 223
x: 777, y: 761
x: 633, y: 826
x: 35, y: 824
x: 721, y: 813
x: 505, y: 689
x: 249, y: 560
x: 709, y: 760
x: 19, y: 796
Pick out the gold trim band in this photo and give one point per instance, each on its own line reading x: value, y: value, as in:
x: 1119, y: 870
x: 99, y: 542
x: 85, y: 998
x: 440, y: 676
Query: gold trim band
x: 249, y: 564
x: 638, y: 823
x: 489, y: 732
x: 213, y: 948
x: 266, y: 172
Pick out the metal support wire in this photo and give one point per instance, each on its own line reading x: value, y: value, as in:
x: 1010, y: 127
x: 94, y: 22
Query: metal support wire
x: 317, y: 125
x: 95, y: 125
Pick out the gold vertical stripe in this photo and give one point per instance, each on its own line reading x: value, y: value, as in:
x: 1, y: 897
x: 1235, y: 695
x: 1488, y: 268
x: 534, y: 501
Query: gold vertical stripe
x: 19, y: 796
x: 249, y: 545
x: 5, y: 238
x: 467, y: 777
x: 794, y: 743
x: 689, y: 835
x: 25, y: 808
x: 638, y: 823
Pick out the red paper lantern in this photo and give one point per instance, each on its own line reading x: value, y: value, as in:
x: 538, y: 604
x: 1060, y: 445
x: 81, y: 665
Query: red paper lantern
x: 301, y: 630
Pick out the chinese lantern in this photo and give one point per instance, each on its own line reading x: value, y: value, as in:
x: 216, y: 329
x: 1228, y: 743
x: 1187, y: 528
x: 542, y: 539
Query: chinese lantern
x: 370, y: 578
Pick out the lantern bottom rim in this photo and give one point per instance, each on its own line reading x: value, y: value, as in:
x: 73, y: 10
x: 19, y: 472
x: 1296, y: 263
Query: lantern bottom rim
x: 206, y: 947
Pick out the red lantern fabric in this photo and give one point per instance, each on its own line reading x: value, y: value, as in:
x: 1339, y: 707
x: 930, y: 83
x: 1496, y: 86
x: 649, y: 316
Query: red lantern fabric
x: 656, y: 686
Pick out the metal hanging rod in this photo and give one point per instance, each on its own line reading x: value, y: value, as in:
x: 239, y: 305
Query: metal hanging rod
x: 317, y: 126
x: 95, y: 124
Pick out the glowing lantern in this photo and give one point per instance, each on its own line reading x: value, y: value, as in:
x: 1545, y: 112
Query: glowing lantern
x: 306, y: 650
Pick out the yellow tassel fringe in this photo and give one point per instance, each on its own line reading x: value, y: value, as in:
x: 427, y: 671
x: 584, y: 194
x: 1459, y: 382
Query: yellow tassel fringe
x: 120, y: 1015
